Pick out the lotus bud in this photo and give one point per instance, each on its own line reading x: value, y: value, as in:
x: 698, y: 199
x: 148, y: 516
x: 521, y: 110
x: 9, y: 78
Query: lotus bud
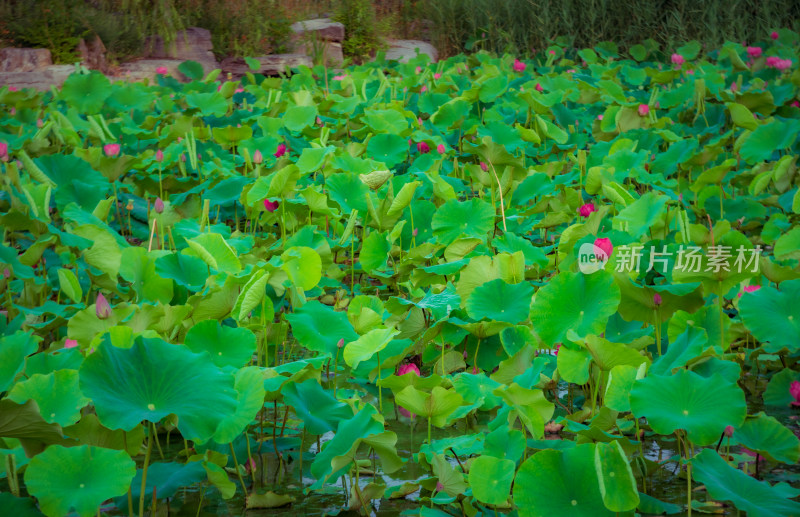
x: 159, y: 206
x: 102, y: 307
x: 70, y: 343
x: 159, y: 156
x: 270, y: 206
x: 111, y: 150
x: 657, y: 299
x: 340, y: 344
x: 728, y: 431
x: 258, y: 158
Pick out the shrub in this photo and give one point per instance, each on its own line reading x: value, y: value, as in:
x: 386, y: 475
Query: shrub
x: 51, y: 24
x: 361, y: 29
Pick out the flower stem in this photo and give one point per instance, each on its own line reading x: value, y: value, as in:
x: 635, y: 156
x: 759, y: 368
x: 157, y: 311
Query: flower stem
x: 144, y: 470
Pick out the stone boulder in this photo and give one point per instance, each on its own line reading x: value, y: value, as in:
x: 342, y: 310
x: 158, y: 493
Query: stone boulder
x: 193, y: 44
x: 404, y: 49
x: 24, y: 59
x: 273, y: 64
x: 41, y: 79
x: 321, y: 28
x: 93, y: 54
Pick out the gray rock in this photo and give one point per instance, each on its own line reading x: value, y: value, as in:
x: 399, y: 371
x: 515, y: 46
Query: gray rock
x: 24, y: 59
x: 270, y: 65
x: 93, y: 54
x: 42, y: 79
x: 193, y: 44
x: 322, y: 28
x: 405, y: 49
x: 331, y: 51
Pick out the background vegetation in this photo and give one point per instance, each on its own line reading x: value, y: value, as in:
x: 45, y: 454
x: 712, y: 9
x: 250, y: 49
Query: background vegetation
x: 253, y: 27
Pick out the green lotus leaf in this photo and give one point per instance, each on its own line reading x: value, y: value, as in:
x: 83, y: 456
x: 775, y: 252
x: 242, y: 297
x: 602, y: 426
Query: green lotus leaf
x: 777, y: 392
x: 436, y: 405
x: 216, y: 252
x: 726, y: 483
x: 560, y: 483
x: 154, y: 379
x: 19, y: 506
x: 621, y: 379
x: 319, y: 328
x: 13, y: 351
x: 768, y: 138
x: 303, y: 265
x: 86, y: 93
x: 249, y: 385
x: 215, y: 103
x: 166, y: 478
x: 490, y: 479
x: 186, y: 270
x: 374, y: 252
x: 139, y: 268
x: 368, y: 345
x: 57, y: 394
x: 638, y: 217
x: 617, y: 484
x: 454, y: 219
x: 767, y: 436
x: 700, y: 406
x: 389, y: 149
x: 687, y: 346
x: 773, y: 316
x: 574, y: 301
x: 297, y: 118
x: 78, y: 478
x: 228, y: 346
x: 316, y: 407
x: 191, y: 69
x: 500, y: 301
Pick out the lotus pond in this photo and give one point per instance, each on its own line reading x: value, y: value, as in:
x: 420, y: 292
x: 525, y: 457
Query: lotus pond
x: 565, y: 285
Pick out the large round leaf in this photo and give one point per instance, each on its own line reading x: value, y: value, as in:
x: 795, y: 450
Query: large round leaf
x: 774, y: 316
x: 317, y: 408
x: 249, y: 385
x: 490, y: 479
x: 473, y: 218
x: 388, y: 148
x: 303, y: 265
x: 700, y: 406
x: 560, y: 483
x: 574, y: 301
x: 188, y: 271
x: 726, y: 483
x: 319, y: 328
x: 86, y: 93
x: 500, y: 301
x: 13, y: 350
x: 57, y: 394
x: 228, y: 346
x: 150, y: 381
x: 769, y: 438
x: 78, y: 478
x: 368, y: 345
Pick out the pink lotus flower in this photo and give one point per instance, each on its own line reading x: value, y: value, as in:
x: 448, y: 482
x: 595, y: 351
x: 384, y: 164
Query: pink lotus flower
x: 339, y: 77
x: 418, y: 70
x: 794, y: 391
x: 13, y: 89
x: 102, y: 308
x: 728, y: 431
x: 754, y: 52
x: 415, y: 232
x: 690, y: 72
x: 751, y: 288
x: 484, y: 167
x: 778, y: 63
x: 558, y: 347
x: 423, y: 148
x: 270, y: 206
x: 538, y: 88
x: 552, y: 52
x: 774, y: 35
x: 600, y: 117
x: 340, y: 344
x: 587, y: 209
x: 796, y: 104
x: 657, y: 299
x: 441, y: 149
x: 734, y: 87
x: 70, y: 343
x: 604, y: 246
x: 250, y: 466
x: 519, y: 66
x: 4, y: 151
x: 159, y: 206
x: 424, y: 89
x: 281, y: 150
x: 258, y: 158
x: 678, y: 59
x: 162, y: 70
x: 752, y: 454
x: 111, y: 150
x: 643, y: 110
x: 159, y: 156
x: 406, y: 368
x: 437, y: 75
